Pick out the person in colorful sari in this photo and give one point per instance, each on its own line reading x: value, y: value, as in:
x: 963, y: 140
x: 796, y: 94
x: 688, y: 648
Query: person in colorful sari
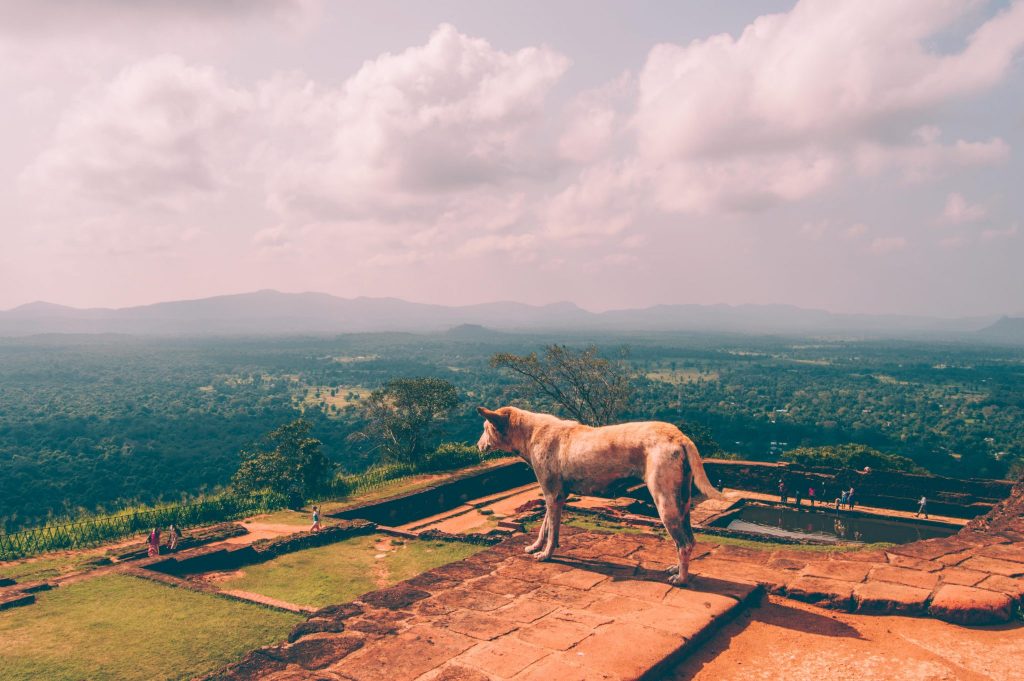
x: 154, y: 542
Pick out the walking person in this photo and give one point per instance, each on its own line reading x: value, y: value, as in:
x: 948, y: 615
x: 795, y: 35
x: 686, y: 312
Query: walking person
x: 796, y: 496
x: 175, y: 536
x: 922, y: 507
x: 315, y: 527
x: 154, y: 542
x: 849, y: 499
x: 810, y: 495
x: 782, y: 491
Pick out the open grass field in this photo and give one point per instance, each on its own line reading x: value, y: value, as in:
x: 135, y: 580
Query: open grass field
x: 344, y: 396
x: 340, y: 572
x: 682, y: 376
x: 46, y: 567
x: 125, y: 628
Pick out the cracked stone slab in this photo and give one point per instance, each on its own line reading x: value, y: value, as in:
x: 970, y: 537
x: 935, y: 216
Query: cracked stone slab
x: 898, y: 575
x: 888, y: 598
x: 968, y: 605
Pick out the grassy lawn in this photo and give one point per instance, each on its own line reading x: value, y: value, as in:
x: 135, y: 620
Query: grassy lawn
x: 340, y: 572
x: 53, y: 565
x: 120, y: 627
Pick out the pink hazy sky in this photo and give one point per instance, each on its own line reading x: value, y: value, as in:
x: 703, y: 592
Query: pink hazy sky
x: 851, y: 156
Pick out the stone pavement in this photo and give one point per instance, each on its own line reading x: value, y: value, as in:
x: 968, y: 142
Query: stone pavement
x: 601, y: 610
x: 972, y: 577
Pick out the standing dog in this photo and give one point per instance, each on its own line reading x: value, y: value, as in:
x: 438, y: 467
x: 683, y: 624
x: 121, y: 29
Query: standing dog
x: 570, y: 458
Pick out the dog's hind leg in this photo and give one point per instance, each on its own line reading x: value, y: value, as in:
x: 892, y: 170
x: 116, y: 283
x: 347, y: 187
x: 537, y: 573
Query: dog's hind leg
x: 672, y: 498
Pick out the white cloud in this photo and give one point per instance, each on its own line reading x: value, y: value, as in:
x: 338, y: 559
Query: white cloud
x: 411, y: 131
x: 887, y: 245
x: 150, y: 137
x: 959, y: 211
x: 1004, y: 233
x: 856, y: 231
x: 777, y: 113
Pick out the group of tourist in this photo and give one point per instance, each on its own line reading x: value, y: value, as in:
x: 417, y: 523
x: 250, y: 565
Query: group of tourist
x: 154, y: 539
x: 844, y: 500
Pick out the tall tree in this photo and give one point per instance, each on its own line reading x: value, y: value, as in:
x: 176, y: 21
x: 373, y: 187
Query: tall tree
x: 590, y: 388
x: 287, y: 460
x: 405, y: 418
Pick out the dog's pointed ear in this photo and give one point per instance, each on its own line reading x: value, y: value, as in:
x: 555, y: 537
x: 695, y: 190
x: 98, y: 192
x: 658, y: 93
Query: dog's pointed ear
x: 499, y: 421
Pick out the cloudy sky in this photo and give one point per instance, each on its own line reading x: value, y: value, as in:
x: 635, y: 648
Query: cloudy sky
x: 846, y: 155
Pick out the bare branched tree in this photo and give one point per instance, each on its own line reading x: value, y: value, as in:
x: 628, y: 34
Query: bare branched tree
x: 591, y: 389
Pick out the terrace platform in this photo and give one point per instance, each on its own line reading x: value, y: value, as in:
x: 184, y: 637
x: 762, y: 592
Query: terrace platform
x: 601, y: 610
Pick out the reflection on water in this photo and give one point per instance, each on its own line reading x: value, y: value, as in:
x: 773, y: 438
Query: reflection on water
x: 831, y: 525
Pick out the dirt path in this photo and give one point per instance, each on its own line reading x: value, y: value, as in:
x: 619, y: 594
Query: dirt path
x: 381, y: 574
x: 258, y: 530
x: 784, y: 639
x: 267, y: 600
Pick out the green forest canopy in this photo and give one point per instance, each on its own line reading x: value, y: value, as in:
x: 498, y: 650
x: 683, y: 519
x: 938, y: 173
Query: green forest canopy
x: 100, y: 422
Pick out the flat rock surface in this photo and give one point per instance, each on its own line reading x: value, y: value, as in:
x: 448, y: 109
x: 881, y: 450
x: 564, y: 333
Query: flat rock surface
x: 511, y: 617
x: 784, y: 639
x: 602, y: 609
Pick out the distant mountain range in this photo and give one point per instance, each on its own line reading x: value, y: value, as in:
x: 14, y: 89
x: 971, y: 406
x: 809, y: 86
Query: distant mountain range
x: 275, y: 313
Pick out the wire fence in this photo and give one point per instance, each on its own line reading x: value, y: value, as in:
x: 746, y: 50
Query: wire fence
x: 106, y: 528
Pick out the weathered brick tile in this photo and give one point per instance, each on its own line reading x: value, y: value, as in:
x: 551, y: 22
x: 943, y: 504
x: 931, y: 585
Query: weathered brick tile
x: 898, y: 575
x: 1014, y: 588
x: 994, y: 565
x: 578, y: 579
x: 633, y: 588
x: 404, y: 657
x: 1011, y: 552
x: 914, y: 563
x: 564, y: 596
x: 968, y: 605
x: 505, y: 657
x: 504, y: 586
x: 564, y: 666
x: 627, y: 650
x: 585, y: 618
x: 833, y: 593
x: 956, y: 575
x: 479, y: 625
x: 890, y: 598
x: 845, y: 570
x: 526, y: 609
x: 553, y: 633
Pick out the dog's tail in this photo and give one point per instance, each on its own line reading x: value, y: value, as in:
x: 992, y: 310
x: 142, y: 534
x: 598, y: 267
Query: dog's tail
x: 700, y: 478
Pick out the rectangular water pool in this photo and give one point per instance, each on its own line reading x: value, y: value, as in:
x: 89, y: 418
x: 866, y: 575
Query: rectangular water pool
x: 831, y: 525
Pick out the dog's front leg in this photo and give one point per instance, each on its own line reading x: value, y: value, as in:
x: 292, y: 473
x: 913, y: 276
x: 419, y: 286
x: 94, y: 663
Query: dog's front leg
x: 552, y: 519
x: 542, y: 535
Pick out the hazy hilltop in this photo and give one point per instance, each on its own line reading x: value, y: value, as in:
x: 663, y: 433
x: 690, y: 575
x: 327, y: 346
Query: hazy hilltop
x: 275, y: 313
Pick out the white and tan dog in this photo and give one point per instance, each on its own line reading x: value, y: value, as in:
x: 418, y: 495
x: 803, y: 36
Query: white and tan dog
x: 570, y: 458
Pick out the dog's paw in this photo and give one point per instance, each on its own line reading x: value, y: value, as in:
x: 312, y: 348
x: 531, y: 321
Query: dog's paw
x: 676, y: 580
x: 542, y: 557
x: 532, y: 549
x: 673, y: 570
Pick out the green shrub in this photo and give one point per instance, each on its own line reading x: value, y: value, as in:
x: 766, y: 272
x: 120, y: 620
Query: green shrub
x: 451, y: 455
x: 851, y: 456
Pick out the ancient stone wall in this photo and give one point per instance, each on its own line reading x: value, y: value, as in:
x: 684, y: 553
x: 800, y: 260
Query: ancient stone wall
x: 884, y: 489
